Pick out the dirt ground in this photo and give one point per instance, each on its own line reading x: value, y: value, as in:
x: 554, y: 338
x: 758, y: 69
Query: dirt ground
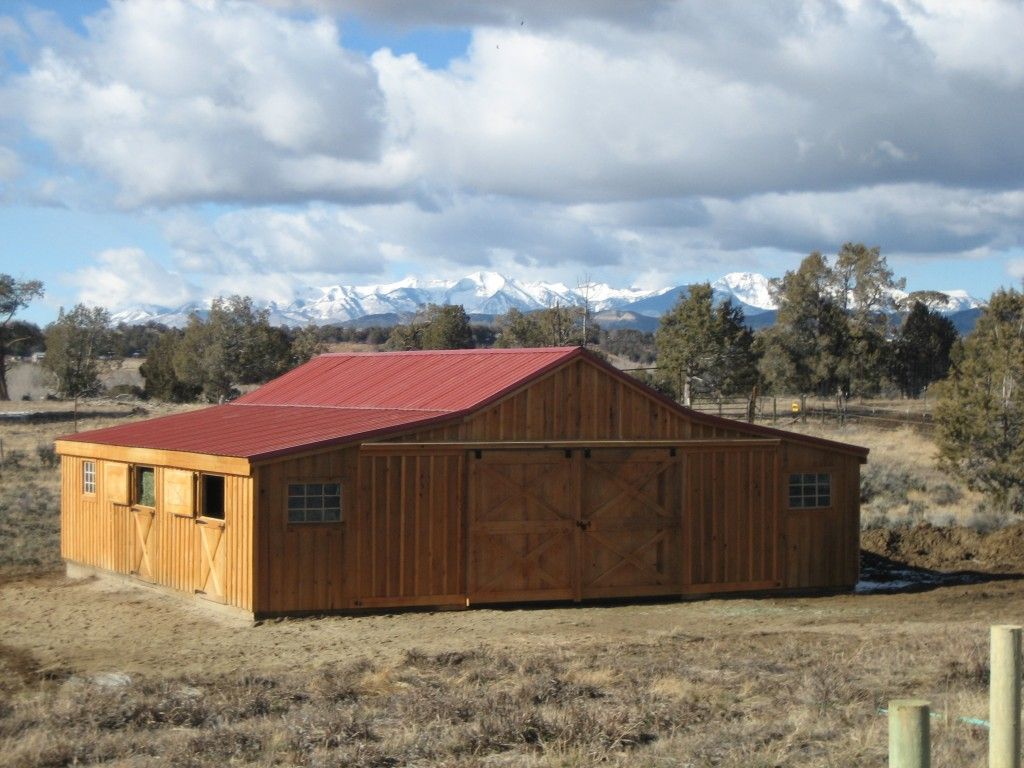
x: 94, y: 626
x: 98, y: 671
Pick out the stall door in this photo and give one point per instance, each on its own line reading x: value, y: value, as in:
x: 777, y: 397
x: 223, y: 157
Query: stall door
x: 522, y: 526
x: 211, y: 558
x: 630, y: 516
x: 144, y: 550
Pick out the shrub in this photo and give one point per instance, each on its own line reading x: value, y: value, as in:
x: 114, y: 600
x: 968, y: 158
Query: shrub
x: 889, y: 482
x: 946, y: 494
x: 47, y: 455
x: 13, y: 459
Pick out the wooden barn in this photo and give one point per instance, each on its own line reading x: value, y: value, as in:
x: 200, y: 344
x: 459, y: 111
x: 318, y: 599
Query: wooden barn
x: 456, y: 478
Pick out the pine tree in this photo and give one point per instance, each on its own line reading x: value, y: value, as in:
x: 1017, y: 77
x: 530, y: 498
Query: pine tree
x: 807, y: 350
x: 980, y: 413
x: 921, y: 349
x: 78, y: 349
x: 446, y: 327
x: 234, y: 345
x: 700, y: 344
x: 161, y: 380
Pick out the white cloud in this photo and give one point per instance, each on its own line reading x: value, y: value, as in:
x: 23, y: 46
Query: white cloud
x: 916, y: 218
x: 623, y: 139
x: 185, y: 101
x: 128, y: 277
x: 181, y: 100
x: 317, y: 239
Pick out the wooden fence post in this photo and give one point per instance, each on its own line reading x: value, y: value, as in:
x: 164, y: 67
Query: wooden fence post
x: 909, y: 740
x: 1004, y: 698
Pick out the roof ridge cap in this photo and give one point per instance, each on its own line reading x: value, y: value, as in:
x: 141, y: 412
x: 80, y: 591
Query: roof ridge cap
x: 341, y: 407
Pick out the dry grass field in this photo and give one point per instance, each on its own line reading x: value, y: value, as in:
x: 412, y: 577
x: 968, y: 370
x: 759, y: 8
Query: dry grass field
x: 98, y: 672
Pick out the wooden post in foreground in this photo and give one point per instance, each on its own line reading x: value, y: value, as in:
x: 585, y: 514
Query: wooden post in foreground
x: 1004, y: 698
x: 909, y: 740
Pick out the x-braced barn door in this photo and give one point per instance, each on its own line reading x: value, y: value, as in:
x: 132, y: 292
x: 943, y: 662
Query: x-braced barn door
x: 144, y: 550
x: 573, y: 523
x: 522, y: 526
x: 630, y: 520
x: 211, y: 558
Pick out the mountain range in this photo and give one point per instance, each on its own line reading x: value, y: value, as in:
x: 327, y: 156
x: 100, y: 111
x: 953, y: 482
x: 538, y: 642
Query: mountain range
x: 485, y: 295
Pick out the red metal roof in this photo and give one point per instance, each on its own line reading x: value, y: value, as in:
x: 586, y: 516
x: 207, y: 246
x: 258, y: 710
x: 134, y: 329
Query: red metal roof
x: 338, y: 398
x: 440, y: 380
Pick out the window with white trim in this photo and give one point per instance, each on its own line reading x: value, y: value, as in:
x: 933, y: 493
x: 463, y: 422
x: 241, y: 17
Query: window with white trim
x: 314, y: 502
x: 808, y: 490
x: 89, y: 477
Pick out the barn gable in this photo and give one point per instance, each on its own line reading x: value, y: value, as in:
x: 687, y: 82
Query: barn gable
x: 456, y: 478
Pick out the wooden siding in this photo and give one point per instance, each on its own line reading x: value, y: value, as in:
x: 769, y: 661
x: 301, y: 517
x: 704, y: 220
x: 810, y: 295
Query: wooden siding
x: 159, y: 545
x: 822, y: 545
x: 303, y: 566
x: 731, y: 536
x: 409, y: 540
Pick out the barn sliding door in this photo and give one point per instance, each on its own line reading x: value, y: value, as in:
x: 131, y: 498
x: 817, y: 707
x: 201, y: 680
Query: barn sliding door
x: 630, y: 515
x: 572, y: 524
x: 522, y: 526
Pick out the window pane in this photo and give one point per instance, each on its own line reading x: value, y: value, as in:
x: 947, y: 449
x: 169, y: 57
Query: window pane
x: 296, y: 489
x: 314, y: 515
x: 296, y: 516
x: 332, y: 515
x: 296, y: 502
x: 332, y: 489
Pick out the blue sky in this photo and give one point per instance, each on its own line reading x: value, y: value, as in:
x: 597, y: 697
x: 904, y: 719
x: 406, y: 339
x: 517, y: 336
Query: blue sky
x: 159, y: 152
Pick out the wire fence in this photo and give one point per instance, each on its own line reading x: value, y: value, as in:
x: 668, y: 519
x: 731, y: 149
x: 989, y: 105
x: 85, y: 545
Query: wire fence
x: 782, y: 411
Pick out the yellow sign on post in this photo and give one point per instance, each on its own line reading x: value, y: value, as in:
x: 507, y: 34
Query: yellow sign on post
x: 795, y: 407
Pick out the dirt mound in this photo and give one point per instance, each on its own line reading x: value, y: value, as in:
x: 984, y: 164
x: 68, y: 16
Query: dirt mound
x: 950, y: 548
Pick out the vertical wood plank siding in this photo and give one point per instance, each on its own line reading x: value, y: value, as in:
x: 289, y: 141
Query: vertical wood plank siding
x: 104, y: 534
x: 304, y: 566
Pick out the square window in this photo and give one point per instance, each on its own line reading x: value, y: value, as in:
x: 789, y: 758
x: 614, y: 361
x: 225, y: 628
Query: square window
x: 810, y: 490
x: 314, y: 503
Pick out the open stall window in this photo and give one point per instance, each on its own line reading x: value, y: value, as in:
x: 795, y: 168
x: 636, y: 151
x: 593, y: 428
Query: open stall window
x: 144, y: 487
x: 212, y: 496
x: 314, y: 503
x: 89, y: 477
x: 809, y: 490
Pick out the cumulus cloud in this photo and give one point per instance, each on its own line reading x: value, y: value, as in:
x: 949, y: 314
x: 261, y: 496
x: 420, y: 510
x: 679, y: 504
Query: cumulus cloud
x: 650, y: 138
x: 127, y: 277
x: 177, y: 101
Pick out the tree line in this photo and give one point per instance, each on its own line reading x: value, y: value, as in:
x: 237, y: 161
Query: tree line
x: 834, y: 335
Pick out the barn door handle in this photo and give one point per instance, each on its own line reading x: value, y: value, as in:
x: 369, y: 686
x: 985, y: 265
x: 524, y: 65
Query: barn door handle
x: 583, y: 524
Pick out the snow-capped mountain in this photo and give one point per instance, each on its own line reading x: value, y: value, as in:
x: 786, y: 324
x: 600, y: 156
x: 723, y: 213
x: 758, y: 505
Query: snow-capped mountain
x: 748, y: 289
x: 490, y: 293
